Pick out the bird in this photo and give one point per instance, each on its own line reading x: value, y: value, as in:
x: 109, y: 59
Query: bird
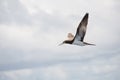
x: 78, y: 39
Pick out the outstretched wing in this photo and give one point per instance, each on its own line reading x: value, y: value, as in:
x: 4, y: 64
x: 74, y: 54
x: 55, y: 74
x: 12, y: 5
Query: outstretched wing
x: 81, y: 30
x: 70, y: 36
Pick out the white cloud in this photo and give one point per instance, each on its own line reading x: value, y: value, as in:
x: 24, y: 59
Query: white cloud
x: 63, y: 72
x: 14, y: 75
x: 30, y: 31
x: 102, y: 69
x: 55, y: 72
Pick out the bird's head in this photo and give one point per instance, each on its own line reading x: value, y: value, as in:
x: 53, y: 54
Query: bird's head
x: 62, y: 43
x: 66, y: 42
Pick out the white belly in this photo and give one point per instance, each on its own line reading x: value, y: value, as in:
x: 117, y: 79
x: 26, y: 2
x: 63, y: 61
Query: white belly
x: 76, y: 42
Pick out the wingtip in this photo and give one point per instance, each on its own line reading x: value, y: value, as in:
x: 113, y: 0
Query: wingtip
x: 87, y: 14
x: 85, y: 18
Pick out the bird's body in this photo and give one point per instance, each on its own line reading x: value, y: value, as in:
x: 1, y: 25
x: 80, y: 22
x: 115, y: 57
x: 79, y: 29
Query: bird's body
x: 80, y: 34
x: 80, y: 43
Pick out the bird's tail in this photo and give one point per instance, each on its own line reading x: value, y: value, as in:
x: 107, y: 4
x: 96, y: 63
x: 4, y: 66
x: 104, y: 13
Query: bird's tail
x: 89, y: 44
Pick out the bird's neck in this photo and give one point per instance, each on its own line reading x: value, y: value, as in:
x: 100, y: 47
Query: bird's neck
x: 69, y: 41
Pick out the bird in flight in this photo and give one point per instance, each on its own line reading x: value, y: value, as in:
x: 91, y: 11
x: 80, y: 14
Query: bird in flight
x: 78, y: 39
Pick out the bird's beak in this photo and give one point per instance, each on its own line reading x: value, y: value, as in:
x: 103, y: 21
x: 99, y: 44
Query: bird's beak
x: 60, y: 44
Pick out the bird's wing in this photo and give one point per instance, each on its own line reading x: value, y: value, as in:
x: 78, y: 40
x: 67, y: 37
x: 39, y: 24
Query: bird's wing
x: 81, y: 30
x: 70, y: 36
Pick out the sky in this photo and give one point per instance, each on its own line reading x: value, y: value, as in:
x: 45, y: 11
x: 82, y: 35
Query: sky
x: 31, y: 30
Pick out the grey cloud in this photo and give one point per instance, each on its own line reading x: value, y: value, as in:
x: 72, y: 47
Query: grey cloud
x: 56, y: 60
x: 24, y: 50
x: 13, y: 12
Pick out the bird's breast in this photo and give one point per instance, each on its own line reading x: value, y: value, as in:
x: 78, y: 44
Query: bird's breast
x: 76, y: 42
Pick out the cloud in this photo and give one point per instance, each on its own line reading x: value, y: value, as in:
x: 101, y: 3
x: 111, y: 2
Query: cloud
x: 30, y: 32
x: 65, y: 72
x: 12, y: 12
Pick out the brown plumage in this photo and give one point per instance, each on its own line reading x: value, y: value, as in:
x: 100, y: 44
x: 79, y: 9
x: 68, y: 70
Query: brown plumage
x: 80, y: 33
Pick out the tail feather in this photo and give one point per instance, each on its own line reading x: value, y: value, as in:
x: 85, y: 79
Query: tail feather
x: 89, y: 44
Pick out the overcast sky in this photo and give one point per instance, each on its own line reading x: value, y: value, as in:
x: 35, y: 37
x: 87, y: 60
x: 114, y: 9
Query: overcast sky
x: 31, y: 30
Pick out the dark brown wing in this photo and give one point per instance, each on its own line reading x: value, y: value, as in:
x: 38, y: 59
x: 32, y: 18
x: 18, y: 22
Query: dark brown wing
x: 81, y: 30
